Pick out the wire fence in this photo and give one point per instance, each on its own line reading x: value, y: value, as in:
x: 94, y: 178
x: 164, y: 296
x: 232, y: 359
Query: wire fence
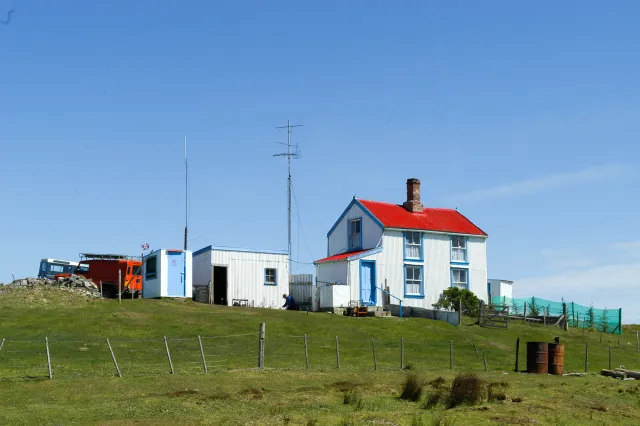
x: 54, y: 358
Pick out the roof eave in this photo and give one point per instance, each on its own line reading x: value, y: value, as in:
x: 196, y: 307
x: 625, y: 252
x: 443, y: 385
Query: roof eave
x: 391, y: 228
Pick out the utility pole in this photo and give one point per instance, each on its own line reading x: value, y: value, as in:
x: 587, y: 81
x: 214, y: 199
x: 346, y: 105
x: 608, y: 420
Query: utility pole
x: 186, y: 195
x: 295, y: 155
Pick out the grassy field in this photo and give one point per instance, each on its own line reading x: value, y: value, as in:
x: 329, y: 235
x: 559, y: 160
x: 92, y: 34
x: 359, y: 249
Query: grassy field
x: 84, y: 389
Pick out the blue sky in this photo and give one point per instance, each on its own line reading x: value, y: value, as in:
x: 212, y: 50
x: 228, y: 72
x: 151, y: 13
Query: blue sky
x: 524, y: 116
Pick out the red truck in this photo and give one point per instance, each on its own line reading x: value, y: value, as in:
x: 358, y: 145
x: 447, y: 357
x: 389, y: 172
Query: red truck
x: 103, y: 269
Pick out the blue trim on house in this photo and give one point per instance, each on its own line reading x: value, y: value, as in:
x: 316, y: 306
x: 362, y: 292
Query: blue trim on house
x: 404, y: 248
x: 365, y: 254
x: 463, y: 269
x: 349, y: 246
x: 241, y: 250
x: 344, y: 213
x: 265, y: 277
x: 374, y: 290
x: 413, y: 295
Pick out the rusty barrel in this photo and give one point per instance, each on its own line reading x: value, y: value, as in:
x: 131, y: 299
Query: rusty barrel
x: 556, y: 359
x: 537, y: 357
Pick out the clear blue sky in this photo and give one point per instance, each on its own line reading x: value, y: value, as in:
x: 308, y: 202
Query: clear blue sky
x: 524, y: 116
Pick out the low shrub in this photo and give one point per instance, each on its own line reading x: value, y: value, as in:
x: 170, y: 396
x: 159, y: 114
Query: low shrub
x: 467, y: 388
x: 412, y: 389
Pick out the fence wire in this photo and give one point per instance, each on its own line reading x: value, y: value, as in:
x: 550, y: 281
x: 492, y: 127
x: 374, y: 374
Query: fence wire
x: 27, y: 359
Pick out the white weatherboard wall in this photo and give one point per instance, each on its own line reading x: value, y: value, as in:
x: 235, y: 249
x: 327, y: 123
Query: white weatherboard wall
x: 436, y: 268
x: 246, y: 274
x: 371, y: 232
x: 158, y: 286
x: 501, y: 288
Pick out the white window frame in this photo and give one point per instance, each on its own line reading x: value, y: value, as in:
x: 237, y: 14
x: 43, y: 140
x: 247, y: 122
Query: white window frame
x: 409, y: 235
x: 456, y: 247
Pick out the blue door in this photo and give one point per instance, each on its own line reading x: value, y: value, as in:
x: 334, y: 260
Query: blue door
x: 176, y: 284
x: 368, y: 282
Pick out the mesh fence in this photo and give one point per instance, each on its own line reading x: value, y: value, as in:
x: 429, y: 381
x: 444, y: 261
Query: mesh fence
x: 579, y: 316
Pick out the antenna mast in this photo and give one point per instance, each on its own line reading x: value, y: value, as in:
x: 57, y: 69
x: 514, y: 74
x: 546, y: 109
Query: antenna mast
x: 186, y: 195
x: 295, y: 155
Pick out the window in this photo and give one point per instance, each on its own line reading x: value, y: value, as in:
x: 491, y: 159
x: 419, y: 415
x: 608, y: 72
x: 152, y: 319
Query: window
x: 136, y: 270
x: 270, y: 276
x: 413, y: 280
x: 58, y: 269
x: 458, y: 248
x: 460, y: 278
x: 355, y: 234
x: 83, y: 268
x: 152, y: 271
x: 412, y: 245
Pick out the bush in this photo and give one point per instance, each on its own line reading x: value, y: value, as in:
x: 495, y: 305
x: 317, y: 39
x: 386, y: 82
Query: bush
x: 412, y: 389
x: 467, y: 388
x: 451, y: 297
x: 353, y: 397
x: 437, y: 383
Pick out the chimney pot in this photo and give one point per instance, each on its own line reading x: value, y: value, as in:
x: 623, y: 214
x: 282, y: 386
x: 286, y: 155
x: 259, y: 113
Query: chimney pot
x: 413, y: 203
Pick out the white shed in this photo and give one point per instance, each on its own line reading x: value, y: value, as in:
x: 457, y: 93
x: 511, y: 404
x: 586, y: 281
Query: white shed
x: 239, y: 276
x: 167, y: 273
x: 500, y: 288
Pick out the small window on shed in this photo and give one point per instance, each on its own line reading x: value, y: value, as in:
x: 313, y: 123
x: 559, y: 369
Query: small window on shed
x: 270, y: 276
x: 151, y: 271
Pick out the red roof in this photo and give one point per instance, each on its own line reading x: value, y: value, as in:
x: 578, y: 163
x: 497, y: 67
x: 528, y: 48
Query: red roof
x: 341, y: 256
x: 431, y: 219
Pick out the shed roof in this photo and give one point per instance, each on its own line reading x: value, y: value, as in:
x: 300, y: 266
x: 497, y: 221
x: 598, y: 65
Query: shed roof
x: 346, y: 256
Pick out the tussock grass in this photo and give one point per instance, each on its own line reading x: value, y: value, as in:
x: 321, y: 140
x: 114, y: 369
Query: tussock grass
x: 412, y: 389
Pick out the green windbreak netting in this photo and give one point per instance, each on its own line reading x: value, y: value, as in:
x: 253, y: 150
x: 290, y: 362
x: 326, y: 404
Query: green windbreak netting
x: 607, y: 320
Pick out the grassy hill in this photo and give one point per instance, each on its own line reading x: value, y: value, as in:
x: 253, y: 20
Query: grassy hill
x: 84, y: 389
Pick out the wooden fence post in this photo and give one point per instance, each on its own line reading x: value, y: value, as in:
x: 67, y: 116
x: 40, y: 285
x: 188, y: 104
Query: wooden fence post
x: 586, y: 357
x: 46, y: 340
x: 517, y: 353
x: 637, y: 340
x: 375, y: 361
x: 479, y: 312
x: 261, y: 346
x: 524, y: 313
x: 204, y: 359
x: 565, y: 326
x: 337, y: 353
x: 609, y: 357
x: 484, y: 360
x: 476, y: 348
x: 119, y: 286
x: 306, y: 352
x: 402, y: 353
x: 460, y: 312
x: 113, y: 357
x: 166, y: 347
x: 450, y: 354
x: 1, y: 344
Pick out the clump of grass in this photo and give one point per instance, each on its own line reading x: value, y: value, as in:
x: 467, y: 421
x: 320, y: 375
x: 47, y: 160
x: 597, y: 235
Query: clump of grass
x: 435, y: 398
x: 442, y: 420
x: 599, y: 407
x: 353, y: 397
x: 412, y: 389
x: 517, y: 399
x: 495, y: 391
x: 312, y: 422
x: 437, y: 383
x: 467, y: 388
x: 408, y: 367
x: 253, y: 393
x: 185, y: 392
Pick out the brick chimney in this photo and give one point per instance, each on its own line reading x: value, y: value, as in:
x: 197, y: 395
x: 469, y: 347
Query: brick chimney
x: 413, y: 203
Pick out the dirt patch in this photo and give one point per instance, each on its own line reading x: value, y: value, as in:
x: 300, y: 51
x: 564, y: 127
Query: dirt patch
x: 599, y: 407
x: 309, y: 389
x: 253, y: 393
x: 182, y: 393
x: 517, y: 399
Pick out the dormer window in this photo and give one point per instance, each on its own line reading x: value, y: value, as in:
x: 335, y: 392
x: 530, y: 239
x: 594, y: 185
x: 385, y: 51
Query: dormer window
x: 355, y: 234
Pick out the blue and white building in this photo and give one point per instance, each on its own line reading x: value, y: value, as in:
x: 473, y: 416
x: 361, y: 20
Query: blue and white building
x: 167, y: 273
x: 411, y: 251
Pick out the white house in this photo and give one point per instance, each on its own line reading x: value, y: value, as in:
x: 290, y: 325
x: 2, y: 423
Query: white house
x: 500, y: 288
x: 257, y: 278
x: 413, y: 251
x: 167, y: 273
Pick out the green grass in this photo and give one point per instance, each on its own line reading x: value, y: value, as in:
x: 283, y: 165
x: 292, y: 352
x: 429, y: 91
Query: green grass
x: 85, y: 391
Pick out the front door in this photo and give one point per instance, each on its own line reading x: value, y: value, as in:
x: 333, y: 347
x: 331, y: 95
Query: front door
x: 368, y: 282
x: 176, y: 284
